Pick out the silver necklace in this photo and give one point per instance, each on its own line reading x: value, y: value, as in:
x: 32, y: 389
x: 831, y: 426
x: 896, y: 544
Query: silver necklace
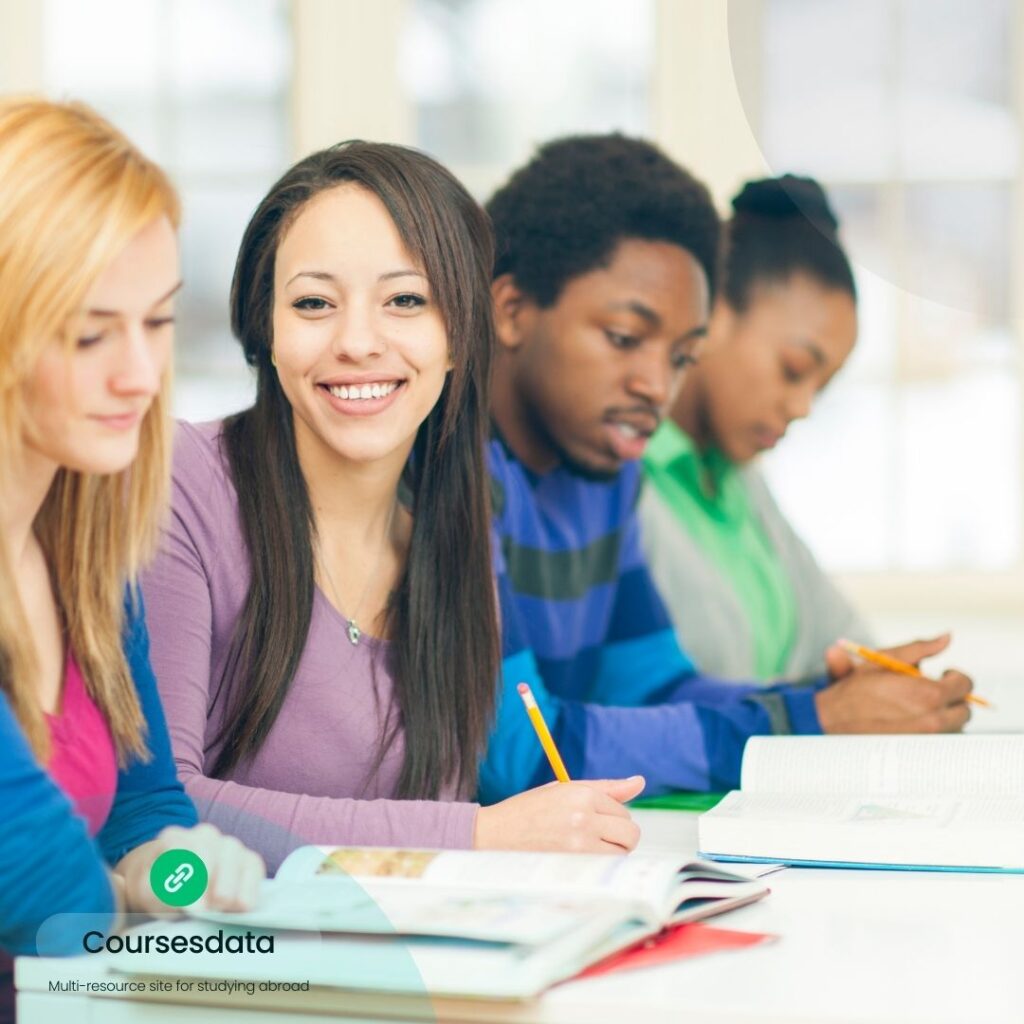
x: 352, y: 628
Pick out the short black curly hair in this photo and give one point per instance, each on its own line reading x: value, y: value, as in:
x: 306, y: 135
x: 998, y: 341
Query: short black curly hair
x: 563, y: 213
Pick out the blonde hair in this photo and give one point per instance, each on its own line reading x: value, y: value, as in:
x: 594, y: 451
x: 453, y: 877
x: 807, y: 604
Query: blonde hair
x: 73, y: 193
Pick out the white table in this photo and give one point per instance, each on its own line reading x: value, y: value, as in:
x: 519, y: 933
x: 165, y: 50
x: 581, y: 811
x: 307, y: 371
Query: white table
x: 886, y: 946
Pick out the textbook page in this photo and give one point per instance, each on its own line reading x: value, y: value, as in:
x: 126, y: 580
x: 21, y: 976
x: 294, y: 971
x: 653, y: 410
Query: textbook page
x: 654, y: 885
x: 414, y: 965
x: 340, y: 905
x: 871, y: 829
x: 956, y: 765
x: 637, y: 878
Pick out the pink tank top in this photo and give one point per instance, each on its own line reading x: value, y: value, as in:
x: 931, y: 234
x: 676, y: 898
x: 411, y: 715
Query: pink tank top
x: 83, y: 759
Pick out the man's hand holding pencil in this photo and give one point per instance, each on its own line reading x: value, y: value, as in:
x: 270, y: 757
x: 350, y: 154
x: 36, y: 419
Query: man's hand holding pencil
x: 885, y: 691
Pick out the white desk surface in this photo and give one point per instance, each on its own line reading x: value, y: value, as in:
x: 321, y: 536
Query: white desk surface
x: 868, y: 946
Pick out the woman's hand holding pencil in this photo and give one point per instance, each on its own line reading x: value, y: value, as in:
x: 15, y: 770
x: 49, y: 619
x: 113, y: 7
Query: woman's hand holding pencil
x: 574, y: 817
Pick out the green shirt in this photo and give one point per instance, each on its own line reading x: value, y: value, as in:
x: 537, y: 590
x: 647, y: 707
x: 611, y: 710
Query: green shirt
x: 708, y: 497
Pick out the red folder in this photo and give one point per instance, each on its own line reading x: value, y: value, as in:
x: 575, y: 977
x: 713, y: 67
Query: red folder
x: 675, y: 943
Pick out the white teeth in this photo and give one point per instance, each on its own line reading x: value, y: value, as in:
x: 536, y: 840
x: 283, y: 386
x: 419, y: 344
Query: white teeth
x: 359, y: 392
x: 628, y: 430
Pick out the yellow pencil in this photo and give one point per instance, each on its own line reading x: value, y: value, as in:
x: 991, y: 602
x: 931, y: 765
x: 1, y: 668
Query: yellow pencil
x: 895, y: 665
x: 541, y: 728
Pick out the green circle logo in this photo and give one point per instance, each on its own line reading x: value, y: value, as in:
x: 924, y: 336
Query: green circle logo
x: 178, y: 878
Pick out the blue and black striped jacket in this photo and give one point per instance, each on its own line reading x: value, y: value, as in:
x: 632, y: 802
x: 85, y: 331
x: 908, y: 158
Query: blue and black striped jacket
x: 583, y: 624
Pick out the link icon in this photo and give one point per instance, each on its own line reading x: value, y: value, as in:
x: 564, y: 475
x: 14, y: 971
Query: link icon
x: 178, y: 878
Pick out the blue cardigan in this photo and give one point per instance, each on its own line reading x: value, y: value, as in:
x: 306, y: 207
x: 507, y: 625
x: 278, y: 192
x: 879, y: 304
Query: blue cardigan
x: 48, y: 862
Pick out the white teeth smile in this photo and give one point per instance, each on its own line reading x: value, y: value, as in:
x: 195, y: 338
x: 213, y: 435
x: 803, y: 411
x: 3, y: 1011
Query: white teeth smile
x: 628, y: 431
x: 362, y: 391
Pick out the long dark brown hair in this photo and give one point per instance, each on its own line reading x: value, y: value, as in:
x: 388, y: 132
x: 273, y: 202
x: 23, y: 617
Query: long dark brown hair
x: 442, y: 617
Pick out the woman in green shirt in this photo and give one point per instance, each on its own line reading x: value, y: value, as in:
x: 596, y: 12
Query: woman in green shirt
x: 746, y: 595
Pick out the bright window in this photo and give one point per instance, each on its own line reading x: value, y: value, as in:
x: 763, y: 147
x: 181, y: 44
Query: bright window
x: 214, y: 115
x: 906, y: 112
x: 489, y: 80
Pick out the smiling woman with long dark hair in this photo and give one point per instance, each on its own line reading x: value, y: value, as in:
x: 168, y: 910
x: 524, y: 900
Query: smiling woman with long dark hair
x: 323, y: 610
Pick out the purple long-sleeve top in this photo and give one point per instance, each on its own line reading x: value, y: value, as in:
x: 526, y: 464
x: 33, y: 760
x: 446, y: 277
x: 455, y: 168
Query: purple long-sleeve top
x: 314, y: 779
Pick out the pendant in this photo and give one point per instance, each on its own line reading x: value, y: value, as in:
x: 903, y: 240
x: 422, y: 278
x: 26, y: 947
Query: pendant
x: 354, y: 632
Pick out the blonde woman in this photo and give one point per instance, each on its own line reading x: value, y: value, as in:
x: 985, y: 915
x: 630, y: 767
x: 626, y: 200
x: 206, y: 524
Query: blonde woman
x: 88, y: 277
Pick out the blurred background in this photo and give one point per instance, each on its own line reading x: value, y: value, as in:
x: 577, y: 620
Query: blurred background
x: 908, y: 480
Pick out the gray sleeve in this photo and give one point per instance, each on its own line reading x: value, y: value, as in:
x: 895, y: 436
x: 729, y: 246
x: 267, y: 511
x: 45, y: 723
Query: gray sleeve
x: 823, y: 613
x: 711, y: 625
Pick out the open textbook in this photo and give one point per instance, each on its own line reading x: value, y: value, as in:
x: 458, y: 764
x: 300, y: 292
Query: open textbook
x: 463, y: 923
x: 952, y: 803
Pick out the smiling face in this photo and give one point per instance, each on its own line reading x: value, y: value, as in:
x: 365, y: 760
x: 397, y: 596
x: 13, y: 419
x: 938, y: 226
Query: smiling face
x: 763, y: 368
x: 85, y: 406
x: 360, y: 344
x: 585, y: 382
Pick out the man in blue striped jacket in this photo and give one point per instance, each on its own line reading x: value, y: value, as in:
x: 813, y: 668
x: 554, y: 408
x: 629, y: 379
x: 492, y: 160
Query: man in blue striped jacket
x: 605, y: 267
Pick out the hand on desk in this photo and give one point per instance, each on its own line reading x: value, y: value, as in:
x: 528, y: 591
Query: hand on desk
x: 866, y: 699
x: 235, y: 872
x: 573, y: 817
